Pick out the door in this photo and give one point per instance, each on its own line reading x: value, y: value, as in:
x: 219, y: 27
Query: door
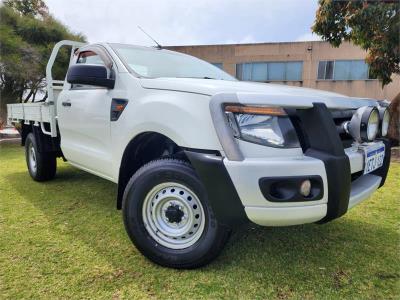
x: 84, y: 121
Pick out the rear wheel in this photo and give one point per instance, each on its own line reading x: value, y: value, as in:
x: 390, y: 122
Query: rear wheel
x: 167, y: 216
x: 41, y: 166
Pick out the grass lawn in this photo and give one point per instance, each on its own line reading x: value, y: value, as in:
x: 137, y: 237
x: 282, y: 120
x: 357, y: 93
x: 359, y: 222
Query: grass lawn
x: 65, y: 239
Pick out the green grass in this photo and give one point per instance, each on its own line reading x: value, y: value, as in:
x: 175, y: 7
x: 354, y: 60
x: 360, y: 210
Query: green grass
x: 65, y: 239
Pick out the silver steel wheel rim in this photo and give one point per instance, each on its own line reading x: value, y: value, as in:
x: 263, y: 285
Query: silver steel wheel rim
x: 32, y: 158
x: 174, y: 235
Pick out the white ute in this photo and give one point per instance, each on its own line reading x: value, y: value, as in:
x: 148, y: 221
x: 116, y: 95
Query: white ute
x: 196, y: 152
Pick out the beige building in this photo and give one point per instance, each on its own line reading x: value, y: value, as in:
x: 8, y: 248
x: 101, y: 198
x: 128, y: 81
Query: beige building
x: 309, y: 64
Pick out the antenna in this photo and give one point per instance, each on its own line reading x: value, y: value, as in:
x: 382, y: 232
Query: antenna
x: 158, y: 45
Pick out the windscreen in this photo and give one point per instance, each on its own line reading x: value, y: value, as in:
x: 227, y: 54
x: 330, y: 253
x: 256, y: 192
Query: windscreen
x: 155, y: 63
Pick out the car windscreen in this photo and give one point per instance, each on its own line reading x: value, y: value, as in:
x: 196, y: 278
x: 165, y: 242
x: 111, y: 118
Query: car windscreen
x: 155, y: 63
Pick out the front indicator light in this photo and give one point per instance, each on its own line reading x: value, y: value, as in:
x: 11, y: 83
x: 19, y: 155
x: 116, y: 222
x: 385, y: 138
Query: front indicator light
x: 256, y: 110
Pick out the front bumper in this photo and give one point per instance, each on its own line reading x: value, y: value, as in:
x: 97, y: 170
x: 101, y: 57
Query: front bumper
x: 246, y: 174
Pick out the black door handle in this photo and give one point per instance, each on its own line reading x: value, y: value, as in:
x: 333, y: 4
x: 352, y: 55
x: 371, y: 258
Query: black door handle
x: 66, y: 103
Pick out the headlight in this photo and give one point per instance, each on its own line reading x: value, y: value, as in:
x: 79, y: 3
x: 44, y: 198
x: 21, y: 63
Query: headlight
x: 262, y: 125
x: 364, y: 125
x: 384, y: 117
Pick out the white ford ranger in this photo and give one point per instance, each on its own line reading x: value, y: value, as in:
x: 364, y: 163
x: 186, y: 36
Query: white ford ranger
x: 195, y: 152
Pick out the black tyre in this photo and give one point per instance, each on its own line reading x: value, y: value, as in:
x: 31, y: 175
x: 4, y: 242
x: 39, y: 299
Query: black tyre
x: 41, y: 166
x: 168, y: 218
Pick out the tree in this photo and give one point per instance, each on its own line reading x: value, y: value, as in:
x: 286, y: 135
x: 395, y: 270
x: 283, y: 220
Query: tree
x: 373, y: 25
x: 394, y: 125
x: 32, y: 8
x: 27, y: 35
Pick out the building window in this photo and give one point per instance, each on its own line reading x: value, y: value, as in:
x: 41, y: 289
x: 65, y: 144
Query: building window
x: 343, y: 70
x: 218, y: 65
x: 270, y: 71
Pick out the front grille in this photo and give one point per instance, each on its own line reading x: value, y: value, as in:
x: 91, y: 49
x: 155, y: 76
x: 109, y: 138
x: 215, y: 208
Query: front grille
x: 340, y: 116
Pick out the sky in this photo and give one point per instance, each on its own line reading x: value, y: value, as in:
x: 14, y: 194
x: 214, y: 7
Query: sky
x: 196, y: 22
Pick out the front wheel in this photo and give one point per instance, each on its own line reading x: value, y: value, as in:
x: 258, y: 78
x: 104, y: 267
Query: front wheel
x: 168, y: 218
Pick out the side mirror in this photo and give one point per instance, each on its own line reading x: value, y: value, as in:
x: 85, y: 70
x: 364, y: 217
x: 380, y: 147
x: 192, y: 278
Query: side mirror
x: 89, y: 74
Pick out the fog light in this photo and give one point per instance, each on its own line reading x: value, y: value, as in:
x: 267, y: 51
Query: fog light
x: 305, y: 188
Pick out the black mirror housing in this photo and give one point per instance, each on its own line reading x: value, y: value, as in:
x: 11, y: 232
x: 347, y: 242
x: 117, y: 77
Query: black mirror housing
x: 89, y: 74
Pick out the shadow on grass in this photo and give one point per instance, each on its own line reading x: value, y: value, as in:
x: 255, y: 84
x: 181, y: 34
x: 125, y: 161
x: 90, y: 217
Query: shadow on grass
x: 275, y: 253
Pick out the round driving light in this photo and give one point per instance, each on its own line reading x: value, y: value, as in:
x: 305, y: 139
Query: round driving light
x: 384, y: 116
x: 364, y: 124
x: 373, y: 125
x: 305, y: 188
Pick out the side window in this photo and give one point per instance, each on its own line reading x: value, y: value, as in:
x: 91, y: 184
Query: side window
x: 89, y: 57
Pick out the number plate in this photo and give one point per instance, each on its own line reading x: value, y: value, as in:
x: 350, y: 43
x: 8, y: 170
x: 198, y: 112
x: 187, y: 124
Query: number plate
x: 374, y: 156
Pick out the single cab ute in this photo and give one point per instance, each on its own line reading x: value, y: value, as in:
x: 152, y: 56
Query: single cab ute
x: 196, y: 152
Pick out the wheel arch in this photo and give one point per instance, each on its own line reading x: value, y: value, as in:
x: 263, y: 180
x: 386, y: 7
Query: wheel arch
x: 141, y: 149
x: 45, y: 142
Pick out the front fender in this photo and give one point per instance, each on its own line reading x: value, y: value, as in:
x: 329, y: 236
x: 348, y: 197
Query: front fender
x: 182, y: 117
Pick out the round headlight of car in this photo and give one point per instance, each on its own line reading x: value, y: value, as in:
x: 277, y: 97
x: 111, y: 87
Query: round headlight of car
x: 384, y: 116
x: 364, y: 125
x: 373, y: 125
